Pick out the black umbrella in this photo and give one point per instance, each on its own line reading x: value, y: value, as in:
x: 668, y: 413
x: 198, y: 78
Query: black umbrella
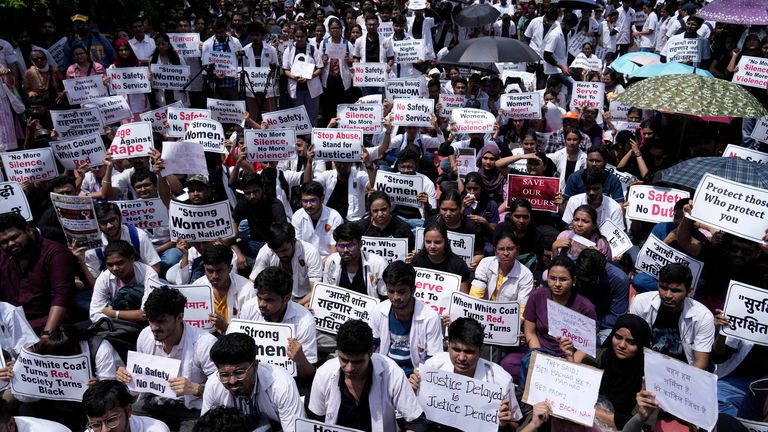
x: 485, y: 50
x: 477, y: 15
x: 578, y: 4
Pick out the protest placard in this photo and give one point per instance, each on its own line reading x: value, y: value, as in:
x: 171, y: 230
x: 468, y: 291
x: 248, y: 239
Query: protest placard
x: 417, y: 4
x: 626, y: 179
x: 304, y: 425
x: 527, y: 78
x: 150, y: 374
x: 509, y: 66
x: 600, y: 52
x: 14, y: 200
x: 653, y: 203
x: 302, y: 69
x: 130, y: 80
x: 682, y: 390
x: 731, y: 206
x: 180, y: 118
x: 144, y: 213
x: 655, y: 254
x: 746, y: 307
x: 77, y: 219
x: 210, y: 222
x: 683, y: 50
x: 85, y: 150
x: 752, y: 72
x: 540, y: 191
x: 112, y: 108
x: 403, y: 189
x: 434, y: 288
x: 291, y: 118
x: 226, y: 111
x: 592, y: 63
x: 332, y: 306
x: 576, y: 43
x: 83, y: 89
x: 183, y: 157
x: 461, y: 244
x: 450, y: 102
x: 459, y: 401
x: 408, y: 50
x: 51, y: 377
x: 364, y: 117
x: 733, y: 150
x: 337, y: 145
x: 568, y: 324
x: 412, y: 112
x: 76, y: 122
x: 618, y: 240
x: 158, y: 116
x: 169, y: 77
x: 29, y: 165
x: 369, y: 74
x: 199, y: 304
x: 260, y: 81
x: 753, y: 426
x: 264, y: 145
x: 132, y: 140
x: 467, y: 161
x: 500, y: 320
x: 760, y: 132
x: 405, y: 88
x: 271, y: 341
x: 185, y: 44
x: 208, y: 133
x: 521, y: 105
x: 618, y: 110
x: 390, y: 248
x: 225, y: 63
x: 57, y: 52
x: 471, y: 120
x: 372, y: 99
x: 588, y: 94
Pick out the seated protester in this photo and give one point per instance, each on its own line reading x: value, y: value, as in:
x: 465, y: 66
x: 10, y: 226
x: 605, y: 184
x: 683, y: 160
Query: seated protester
x: 487, y: 186
x: 436, y: 254
x: 404, y: 328
x: 191, y: 268
x: 15, y: 334
x: 465, y: 347
x: 345, y: 187
x: 15, y: 423
x: 682, y: 327
x: 284, y: 186
x: 502, y: 277
x: 380, y: 222
x: 476, y: 141
x: 230, y: 290
x: 362, y: 390
x: 119, y: 290
x: 351, y: 267
x: 49, y: 223
x: 388, y: 152
x: 451, y: 216
x: 257, y: 211
x: 597, y: 157
x: 272, y: 303
x: 265, y: 394
x: 530, y: 238
x: 297, y: 164
x: 169, y: 336
x: 605, y: 285
x: 606, y: 207
x: 108, y: 403
x: 584, y: 224
x: 299, y: 258
x: 407, y: 163
x: 315, y: 221
x: 223, y: 419
x: 557, y: 140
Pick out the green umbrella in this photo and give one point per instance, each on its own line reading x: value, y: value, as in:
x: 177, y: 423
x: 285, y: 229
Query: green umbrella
x: 693, y: 94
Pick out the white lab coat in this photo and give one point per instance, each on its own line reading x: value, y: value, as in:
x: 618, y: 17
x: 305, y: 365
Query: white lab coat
x: 560, y: 159
x: 105, y: 288
x: 320, y: 235
x: 425, y: 339
x: 312, y: 56
x: 15, y: 332
x: 240, y: 291
x: 356, y: 189
x: 372, y: 268
x: 344, y: 70
x: 306, y: 265
x: 516, y: 287
x: 303, y: 324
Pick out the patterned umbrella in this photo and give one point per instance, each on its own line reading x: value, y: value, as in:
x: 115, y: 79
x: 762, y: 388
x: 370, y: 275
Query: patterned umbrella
x: 630, y: 62
x: 751, y: 12
x: 688, y: 173
x: 693, y: 94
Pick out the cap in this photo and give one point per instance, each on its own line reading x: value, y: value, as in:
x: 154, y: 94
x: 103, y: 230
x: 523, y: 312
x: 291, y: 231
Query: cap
x: 689, y: 7
x: 573, y: 115
x: 434, y: 71
x: 290, y: 3
x: 197, y: 178
x: 79, y: 17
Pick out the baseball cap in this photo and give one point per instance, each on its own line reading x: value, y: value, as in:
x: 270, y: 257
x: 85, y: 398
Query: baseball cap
x: 571, y: 115
x: 689, y: 7
x: 197, y: 178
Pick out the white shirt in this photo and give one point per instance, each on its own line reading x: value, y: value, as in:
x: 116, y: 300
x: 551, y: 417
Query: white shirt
x: 554, y: 42
x: 143, y: 48
x: 535, y: 32
x: 356, y: 190
x: 608, y: 210
x: 147, y: 253
x: 105, y: 288
x: 267, y: 58
x: 425, y: 339
x: 303, y: 323
x: 319, y: 235
x: 372, y: 267
x: 560, y: 158
x: 15, y: 332
x: 516, y: 287
x: 651, y: 23
x: 606, y: 38
x: 306, y: 265
x: 146, y: 424
x: 310, y: 55
x: 240, y: 291
x: 624, y: 25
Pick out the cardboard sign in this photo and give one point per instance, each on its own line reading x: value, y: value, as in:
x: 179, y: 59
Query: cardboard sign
x: 733, y: 150
x: 199, y: 304
x: 390, y: 248
x: 434, y: 288
x: 625, y: 178
x: 78, y: 219
x: 225, y: 64
x: 144, y: 213
x: 681, y: 389
x: 470, y: 120
x: 587, y: 93
x: 80, y: 90
x: 13, y: 200
x: 132, y: 140
x: 568, y: 324
x: 57, y: 52
x: 292, y: 118
x: 208, y: 133
x: 683, y: 50
x: 655, y: 254
x: 29, y: 165
x: 413, y: 112
x: 271, y: 341
x: 540, y: 191
x: 733, y: 207
x: 76, y: 122
x: 185, y: 44
x: 364, y: 117
x: 337, y: 145
x: 87, y: 150
x: 403, y: 189
x: 180, y: 118
x: 760, y: 132
x: 521, y: 105
x: 225, y: 111
x: 113, y: 108
x: 183, y: 157
x: 369, y: 74
x: 210, y: 222
x: 570, y: 388
x: 405, y: 88
x: 618, y: 110
x: 258, y: 77
x: 263, y: 145
x: 132, y: 80
x: 150, y: 374
x: 169, y: 77
x: 450, y: 102
x: 304, y: 425
x: 593, y: 63
x: 408, y: 50
x: 746, y: 307
x: 500, y: 320
x: 753, y: 426
x: 157, y: 117
x: 51, y: 377
x: 458, y: 401
x: 462, y: 245
x: 332, y: 306
x: 653, y: 203
x: 753, y: 72
x: 618, y: 240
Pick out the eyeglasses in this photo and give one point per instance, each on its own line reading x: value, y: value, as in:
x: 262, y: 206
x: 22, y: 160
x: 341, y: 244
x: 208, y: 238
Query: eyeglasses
x: 37, y: 59
x: 310, y: 201
x: 239, y: 374
x: 110, y: 423
x: 345, y: 246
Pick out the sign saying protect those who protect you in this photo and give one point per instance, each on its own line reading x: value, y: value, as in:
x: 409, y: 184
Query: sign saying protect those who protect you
x: 500, y: 320
x: 653, y: 203
x: 180, y: 118
x: 132, y: 140
x: 333, y: 306
x: 195, y: 223
x: 364, y: 117
x: 568, y: 324
x: 434, y: 288
x: 746, y: 307
x: 271, y: 341
x: 51, y: 377
x: 263, y: 145
x: 150, y: 374
x: 113, y: 108
x: 337, y: 145
x: 390, y: 248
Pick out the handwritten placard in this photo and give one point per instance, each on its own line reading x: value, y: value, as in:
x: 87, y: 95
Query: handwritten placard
x: 500, y: 320
x: 655, y: 254
x: 413, y: 112
x: 405, y: 88
x: 78, y: 219
x: 144, y: 213
x: 733, y: 150
x: 521, y: 105
x: 185, y: 44
x: 434, y: 288
x: 364, y: 117
x: 403, y: 189
x: 180, y: 118
x: 208, y: 133
x: 76, y: 122
x: 271, y: 341
x: 132, y: 140
x: 540, y: 191
x: 653, y: 203
x: 29, y: 165
x: 593, y: 63
x: 588, y: 94
x: 264, y: 145
x: 333, y: 306
x: 746, y: 307
x: 193, y: 223
x: 83, y: 89
x: 683, y: 50
x: 51, y: 377
x: 150, y: 374
x: 87, y: 150
x: 13, y: 200
x: 169, y: 77
x: 390, y: 248
x: 369, y: 74
x: 618, y: 240
x: 183, y: 157
x: 337, y: 145
x: 292, y: 118
x: 626, y: 179
x: 568, y: 324
x: 132, y: 80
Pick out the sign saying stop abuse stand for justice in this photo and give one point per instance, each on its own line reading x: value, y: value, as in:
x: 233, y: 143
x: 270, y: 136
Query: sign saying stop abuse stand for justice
x: 271, y: 341
x: 200, y: 222
x: 51, y: 377
x: 150, y: 374
x: 337, y: 145
x: 500, y: 320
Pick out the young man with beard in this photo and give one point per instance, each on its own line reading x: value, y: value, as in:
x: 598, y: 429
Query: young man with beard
x: 315, y: 220
x: 345, y: 186
x: 230, y: 290
x: 703, y: 51
x: 259, y: 211
x: 353, y: 268
x: 607, y: 209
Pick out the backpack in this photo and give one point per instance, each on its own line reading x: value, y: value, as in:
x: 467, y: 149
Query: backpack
x: 121, y: 334
x: 134, y: 234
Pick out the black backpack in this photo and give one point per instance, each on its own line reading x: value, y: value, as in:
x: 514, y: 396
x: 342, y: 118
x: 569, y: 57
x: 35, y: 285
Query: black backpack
x: 121, y: 334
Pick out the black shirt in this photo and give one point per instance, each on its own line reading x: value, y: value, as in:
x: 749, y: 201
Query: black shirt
x: 453, y: 264
x: 259, y: 217
x: 355, y: 414
x: 397, y: 228
x: 339, y: 199
x: 372, y: 49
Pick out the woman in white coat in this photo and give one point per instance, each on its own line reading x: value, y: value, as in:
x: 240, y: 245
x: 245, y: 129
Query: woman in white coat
x: 570, y: 158
x: 304, y: 91
x: 337, y: 69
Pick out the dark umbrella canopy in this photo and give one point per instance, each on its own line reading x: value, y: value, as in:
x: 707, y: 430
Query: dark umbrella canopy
x: 577, y: 4
x: 689, y: 172
x: 477, y: 15
x: 488, y: 49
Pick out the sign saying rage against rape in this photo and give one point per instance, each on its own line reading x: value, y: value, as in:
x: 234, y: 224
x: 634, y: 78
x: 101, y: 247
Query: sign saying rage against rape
x: 570, y: 388
x: 462, y: 402
x: 733, y: 150
x: 337, y: 145
x: 390, y: 248
x: 226, y: 111
x: 271, y: 341
x: 653, y: 203
x: 208, y: 133
x: 434, y: 288
x: 587, y: 93
x: 264, y: 145
x: 51, y: 377
x: 169, y: 77
x: 76, y: 122
x: 681, y: 389
x: 333, y: 306
x: 655, y: 254
x: 753, y: 72
x: 413, y: 112
x: 199, y: 304
x: 292, y: 118
x: 150, y: 374
x: 83, y: 89
x: 364, y: 117
x: 304, y: 425
x: 86, y: 150
x: 183, y: 157
x: 14, y: 200
x: 733, y: 207
x: 369, y: 74
x: 132, y: 140
x: 77, y: 219
x: 157, y: 117
x: 500, y: 320
x: 405, y: 88
x: 540, y: 191
x: 470, y: 120
x: 194, y: 223
x: 29, y: 165
x: 185, y: 44
x: 521, y: 105
x: 144, y: 213
x: 568, y: 324
x: 403, y: 189
x: 746, y: 307
x: 113, y: 108
x: 180, y: 118
x: 408, y: 51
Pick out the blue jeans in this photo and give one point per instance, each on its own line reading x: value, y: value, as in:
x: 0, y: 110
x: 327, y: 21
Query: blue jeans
x: 168, y: 258
x: 311, y: 104
x: 731, y: 391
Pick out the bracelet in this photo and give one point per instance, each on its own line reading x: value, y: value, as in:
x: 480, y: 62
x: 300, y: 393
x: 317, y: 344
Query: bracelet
x: 638, y: 154
x: 117, y: 314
